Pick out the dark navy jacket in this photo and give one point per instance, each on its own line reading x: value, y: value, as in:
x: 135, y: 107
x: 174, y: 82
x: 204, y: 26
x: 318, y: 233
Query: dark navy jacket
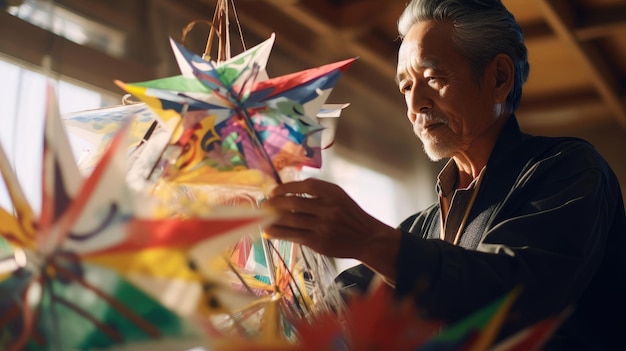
x: 548, y: 218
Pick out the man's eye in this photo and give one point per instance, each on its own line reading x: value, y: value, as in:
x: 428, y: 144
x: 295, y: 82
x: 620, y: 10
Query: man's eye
x: 405, y: 87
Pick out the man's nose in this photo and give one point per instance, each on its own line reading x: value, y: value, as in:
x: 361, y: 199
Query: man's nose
x: 418, y: 99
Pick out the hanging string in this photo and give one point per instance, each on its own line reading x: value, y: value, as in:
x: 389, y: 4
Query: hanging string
x: 292, y: 280
x: 188, y: 29
x: 159, y: 160
x: 219, y: 23
x: 243, y: 44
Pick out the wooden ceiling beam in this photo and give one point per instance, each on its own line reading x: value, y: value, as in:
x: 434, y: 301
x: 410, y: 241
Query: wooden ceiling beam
x: 67, y: 59
x: 536, y: 30
x: 562, y: 18
x: 121, y: 14
x: 536, y: 104
x: 347, y: 14
x: 600, y: 23
x: 553, y: 113
x: 317, y: 39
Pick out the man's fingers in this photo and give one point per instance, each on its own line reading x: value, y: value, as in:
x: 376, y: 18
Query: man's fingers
x: 309, y: 187
x: 296, y: 221
x: 288, y: 233
x: 293, y: 204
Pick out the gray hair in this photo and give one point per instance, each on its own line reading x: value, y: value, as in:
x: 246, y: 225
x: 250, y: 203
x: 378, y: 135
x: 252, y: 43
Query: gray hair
x: 483, y: 29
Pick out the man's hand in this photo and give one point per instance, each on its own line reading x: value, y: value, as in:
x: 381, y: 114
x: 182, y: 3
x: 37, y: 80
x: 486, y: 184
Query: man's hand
x: 322, y: 216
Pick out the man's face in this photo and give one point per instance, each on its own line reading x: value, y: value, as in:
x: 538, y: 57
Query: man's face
x: 449, y: 110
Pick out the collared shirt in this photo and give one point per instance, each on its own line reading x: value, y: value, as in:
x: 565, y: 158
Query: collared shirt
x: 455, y: 204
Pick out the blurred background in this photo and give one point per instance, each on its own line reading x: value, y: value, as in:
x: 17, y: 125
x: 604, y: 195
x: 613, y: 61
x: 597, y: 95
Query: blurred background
x: 577, y: 84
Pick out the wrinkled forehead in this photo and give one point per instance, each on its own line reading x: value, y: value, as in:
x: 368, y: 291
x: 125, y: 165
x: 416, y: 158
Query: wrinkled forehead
x: 426, y: 45
x: 414, y: 62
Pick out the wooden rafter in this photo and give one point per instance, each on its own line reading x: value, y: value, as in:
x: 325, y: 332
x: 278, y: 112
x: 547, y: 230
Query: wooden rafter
x: 561, y: 17
x: 601, y: 23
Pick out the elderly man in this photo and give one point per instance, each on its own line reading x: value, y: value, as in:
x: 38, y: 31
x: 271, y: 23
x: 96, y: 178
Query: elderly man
x: 514, y: 210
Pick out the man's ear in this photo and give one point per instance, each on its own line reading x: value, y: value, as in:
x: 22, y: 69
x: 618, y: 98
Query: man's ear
x: 503, y: 73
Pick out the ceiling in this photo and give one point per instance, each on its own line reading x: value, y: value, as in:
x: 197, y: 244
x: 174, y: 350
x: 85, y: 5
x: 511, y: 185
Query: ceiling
x: 577, y: 53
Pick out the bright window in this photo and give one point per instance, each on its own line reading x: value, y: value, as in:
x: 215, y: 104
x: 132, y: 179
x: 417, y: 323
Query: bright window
x: 22, y: 119
x: 74, y: 27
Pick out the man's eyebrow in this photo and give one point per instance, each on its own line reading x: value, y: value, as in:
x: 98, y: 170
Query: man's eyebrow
x: 399, y: 77
x: 427, y: 63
